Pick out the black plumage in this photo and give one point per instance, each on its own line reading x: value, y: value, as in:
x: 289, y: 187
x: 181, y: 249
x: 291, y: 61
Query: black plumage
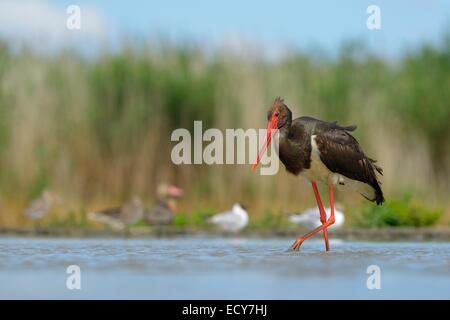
x: 339, y: 151
x: 321, y: 151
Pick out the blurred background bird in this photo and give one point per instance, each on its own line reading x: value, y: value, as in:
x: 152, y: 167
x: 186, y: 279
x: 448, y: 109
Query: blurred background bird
x: 231, y: 221
x: 163, y: 212
x: 120, y: 217
x: 41, y: 206
x: 310, y: 218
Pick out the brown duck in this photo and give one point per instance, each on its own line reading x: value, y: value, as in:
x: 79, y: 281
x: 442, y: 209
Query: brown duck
x: 120, y: 217
x: 163, y: 212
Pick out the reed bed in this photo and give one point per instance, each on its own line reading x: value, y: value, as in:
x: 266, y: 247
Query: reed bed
x: 96, y: 130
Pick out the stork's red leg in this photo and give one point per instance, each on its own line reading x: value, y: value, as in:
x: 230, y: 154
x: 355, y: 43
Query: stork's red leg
x: 323, y: 215
x: 328, y: 223
x: 331, y: 195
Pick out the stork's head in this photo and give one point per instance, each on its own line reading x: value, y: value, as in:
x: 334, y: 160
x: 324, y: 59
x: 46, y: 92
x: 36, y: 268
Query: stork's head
x: 278, y: 116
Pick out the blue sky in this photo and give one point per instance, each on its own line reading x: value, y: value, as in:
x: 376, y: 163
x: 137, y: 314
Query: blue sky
x: 301, y: 24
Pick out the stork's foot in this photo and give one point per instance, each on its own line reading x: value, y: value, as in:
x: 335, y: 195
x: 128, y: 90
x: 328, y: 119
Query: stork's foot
x: 299, y: 241
x: 296, y: 245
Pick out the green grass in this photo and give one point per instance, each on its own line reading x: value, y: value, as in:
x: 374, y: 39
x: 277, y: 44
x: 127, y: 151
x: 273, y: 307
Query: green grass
x: 76, y: 219
x: 269, y: 220
x: 196, y: 218
x: 403, y: 212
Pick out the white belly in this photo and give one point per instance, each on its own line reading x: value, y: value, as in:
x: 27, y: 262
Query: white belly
x: 319, y: 172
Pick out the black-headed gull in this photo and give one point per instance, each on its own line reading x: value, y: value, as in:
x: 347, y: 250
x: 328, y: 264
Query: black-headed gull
x: 310, y: 218
x: 231, y: 221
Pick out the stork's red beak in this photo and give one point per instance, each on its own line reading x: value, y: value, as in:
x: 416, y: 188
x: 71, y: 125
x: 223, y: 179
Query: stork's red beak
x: 272, y: 126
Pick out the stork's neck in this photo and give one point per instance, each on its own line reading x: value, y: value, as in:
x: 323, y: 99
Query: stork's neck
x: 294, y: 147
x: 286, y: 128
x: 284, y: 132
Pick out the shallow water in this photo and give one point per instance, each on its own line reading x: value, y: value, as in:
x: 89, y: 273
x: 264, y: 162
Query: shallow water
x: 216, y: 268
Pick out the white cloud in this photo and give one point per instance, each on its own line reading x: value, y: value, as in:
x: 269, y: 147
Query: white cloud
x: 41, y: 26
x: 244, y: 45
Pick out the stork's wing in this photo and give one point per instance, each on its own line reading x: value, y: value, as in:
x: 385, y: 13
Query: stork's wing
x: 341, y: 153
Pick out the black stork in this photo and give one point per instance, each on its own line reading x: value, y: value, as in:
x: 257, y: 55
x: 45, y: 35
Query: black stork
x: 323, y: 152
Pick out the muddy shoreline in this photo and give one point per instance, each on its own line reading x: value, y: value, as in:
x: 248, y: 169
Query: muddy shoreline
x: 380, y: 234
